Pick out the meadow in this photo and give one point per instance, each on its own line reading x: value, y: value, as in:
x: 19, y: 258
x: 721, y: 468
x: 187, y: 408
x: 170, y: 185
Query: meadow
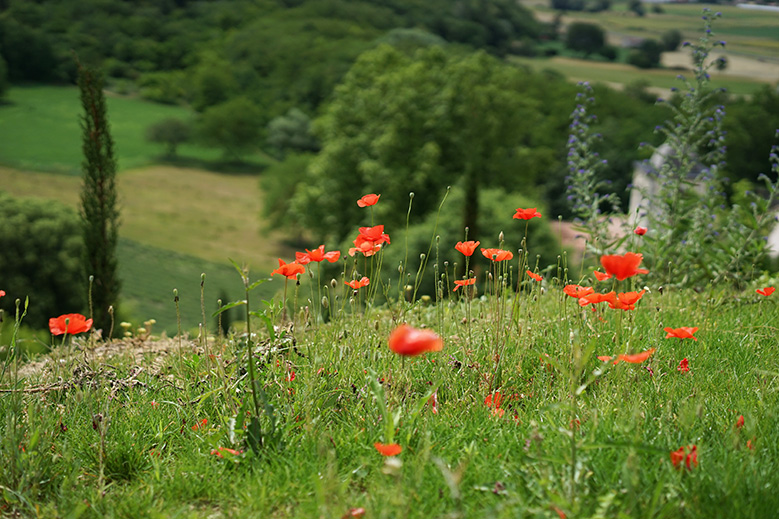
x: 184, y: 210
x: 535, y: 406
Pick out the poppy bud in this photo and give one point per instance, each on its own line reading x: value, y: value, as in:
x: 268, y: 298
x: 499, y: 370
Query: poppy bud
x: 333, y: 283
x: 325, y: 302
x: 500, y: 236
x: 422, y: 256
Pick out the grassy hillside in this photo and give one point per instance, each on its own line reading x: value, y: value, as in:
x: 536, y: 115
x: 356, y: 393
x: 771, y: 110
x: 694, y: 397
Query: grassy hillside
x: 40, y: 130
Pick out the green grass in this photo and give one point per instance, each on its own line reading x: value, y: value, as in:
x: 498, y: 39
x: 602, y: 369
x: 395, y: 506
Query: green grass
x: 40, y: 131
x: 463, y: 461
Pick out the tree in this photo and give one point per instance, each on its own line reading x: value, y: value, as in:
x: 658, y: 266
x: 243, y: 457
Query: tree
x: 637, y: 7
x: 291, y: 132
x: 585, y: 37
x: 233, y: 126
x: 99, y: 213
x: 42, y: 249
x: 671, y: 39
x: 171, y: 132
x: 646, y: 55
x: 3, y: 77
x: 400, y: 124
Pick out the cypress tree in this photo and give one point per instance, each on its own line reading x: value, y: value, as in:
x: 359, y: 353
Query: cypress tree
x: 99, y: 213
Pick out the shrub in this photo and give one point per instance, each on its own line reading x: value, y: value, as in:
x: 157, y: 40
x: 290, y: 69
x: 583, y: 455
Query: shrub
x: 42, y: 258
x: 585, y: 37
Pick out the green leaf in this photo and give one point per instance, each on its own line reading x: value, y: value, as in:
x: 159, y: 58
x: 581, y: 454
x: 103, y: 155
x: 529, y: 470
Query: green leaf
x: 228, y: 306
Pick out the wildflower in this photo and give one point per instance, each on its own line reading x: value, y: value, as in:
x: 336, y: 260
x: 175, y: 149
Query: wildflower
x: 70, y: 324
x: 391, y: 449
x: 740, y: 422
x: 368, y: 200
x: 637, y: 358
x: 467, y: 247
x: 493, y: 400
x: 526, y: 214
x: 595, y: 298
x: 2, y: 293
x: 750, y: 445
x: 154, y: 404
x: 354, y: 512
x: 200, y: 425
x: 578, y: 291
x: 680, y: 455
x: 627, y: 300
x: 684, y: 365
x: 685, y: 332
x: 358, y: 283
x: 622, y: 266
x: 677, y: 457
x: 535, y: 276
x: 600, y: 276
x: 640, y: 230
x: 317, y: 255
x: 219, y: 450
x: 408, y: 341
x: 291, y: 376
x: 433, y: 401
x: 497, y: 254
x: 463, y: 283
x: 692, y: 458
x: 375, y: 234
x: 369, y: 241
x: 767, y: 291
x: 290, y: 270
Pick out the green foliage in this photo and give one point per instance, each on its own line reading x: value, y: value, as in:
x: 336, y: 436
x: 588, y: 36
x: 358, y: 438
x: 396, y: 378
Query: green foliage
x: 671, y: 39
x: 279, y: 183
x: 42, y: 259
x: 99, y: 210
x: 3, y: 78
x: 647, y: 54
x: 170, y: 132
x: 234, y: 126
x: 291, y: 132
x: 399, y: 124
x: 588, y: 38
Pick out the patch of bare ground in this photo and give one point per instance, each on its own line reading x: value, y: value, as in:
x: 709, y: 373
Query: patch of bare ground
x: 75, y: 365
x: 738, y: 66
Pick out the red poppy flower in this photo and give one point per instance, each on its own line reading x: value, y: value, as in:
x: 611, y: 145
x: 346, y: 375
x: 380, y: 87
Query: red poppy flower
x: 463, y: 283
x: 677, y: 457
x: 606, y: 358
x: 290, y: 270
x: 627, y: 300
x: 493, y: 400
x: 391, y: 449
x: 684, y: 365
x: 600, y: 276
x: 578, y: 291
x: 526, y: 214
x: 375, y: 234
x: 692, y: 458
x: 467, y: 247
x: 354, y: 512
x: 358, y: 283
x: 219, y: 450
x: 497, y: 254
x: 70, y: 324
x: 640, y: 230
x: 200, y: 425
x: 624, y: 266
x: 535, y: 276
x: 433, y: 401
x: 318, y: 254
x: 368, y: 200
x: 637, y: 358
x: 405, y: 340
x: 685, y: 332
x: 366, y: 248
x: 767, y: 291
x: 596, y: 298
x: 2, y: 293
x: 740, y: 422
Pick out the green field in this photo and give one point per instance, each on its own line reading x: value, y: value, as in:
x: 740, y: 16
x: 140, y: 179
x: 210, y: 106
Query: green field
x: 39, y: 130
x: 747, y: 32
x: 616, y: 74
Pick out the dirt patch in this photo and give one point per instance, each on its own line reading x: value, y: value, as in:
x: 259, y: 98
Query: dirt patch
x: 738, y: 66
